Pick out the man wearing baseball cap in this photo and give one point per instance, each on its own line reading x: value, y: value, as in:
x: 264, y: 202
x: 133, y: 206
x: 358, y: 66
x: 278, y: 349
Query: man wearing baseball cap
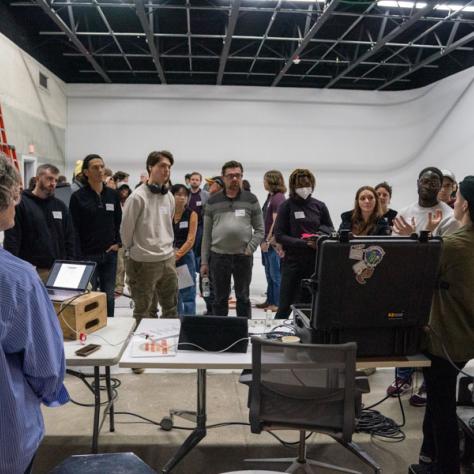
x: 450, y: 341
x: 215, y: 184
x: 448, y: 188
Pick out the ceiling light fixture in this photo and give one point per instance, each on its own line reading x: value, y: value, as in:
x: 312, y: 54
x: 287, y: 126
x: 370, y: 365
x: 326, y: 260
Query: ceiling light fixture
x: 419, y: 5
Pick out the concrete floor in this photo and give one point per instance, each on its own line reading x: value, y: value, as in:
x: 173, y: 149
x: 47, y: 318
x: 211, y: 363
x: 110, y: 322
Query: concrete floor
x: 152, y: 394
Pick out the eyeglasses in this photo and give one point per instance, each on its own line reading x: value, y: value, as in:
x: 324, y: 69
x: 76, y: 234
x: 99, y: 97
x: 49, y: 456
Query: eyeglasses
x: 233, y: 175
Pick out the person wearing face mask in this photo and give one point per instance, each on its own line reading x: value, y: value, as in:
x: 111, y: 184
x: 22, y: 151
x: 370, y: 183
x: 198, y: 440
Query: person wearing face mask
x: 299, y: 217
x: 366, y: 217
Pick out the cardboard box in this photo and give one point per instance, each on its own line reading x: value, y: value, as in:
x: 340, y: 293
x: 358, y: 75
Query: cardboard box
x: 86, y: 314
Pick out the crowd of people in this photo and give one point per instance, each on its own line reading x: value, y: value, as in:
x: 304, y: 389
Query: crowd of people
x: 165, y: 241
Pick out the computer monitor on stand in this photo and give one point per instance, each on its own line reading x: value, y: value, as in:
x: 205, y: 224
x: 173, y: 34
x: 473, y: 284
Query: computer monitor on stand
x: 373, y: 290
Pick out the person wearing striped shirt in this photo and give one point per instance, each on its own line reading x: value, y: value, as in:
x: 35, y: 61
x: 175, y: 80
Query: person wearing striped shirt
x: 32, y: 364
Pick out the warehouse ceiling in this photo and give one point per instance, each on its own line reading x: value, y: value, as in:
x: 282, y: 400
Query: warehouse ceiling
x: 344, y: 44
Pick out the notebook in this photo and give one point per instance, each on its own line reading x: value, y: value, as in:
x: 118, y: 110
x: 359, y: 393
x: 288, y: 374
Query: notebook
x: 69, y: 279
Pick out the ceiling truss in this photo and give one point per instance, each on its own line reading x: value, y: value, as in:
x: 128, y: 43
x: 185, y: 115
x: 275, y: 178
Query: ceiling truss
x: 339, y: 43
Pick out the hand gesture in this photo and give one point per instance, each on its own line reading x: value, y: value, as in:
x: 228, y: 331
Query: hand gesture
x: 402, y: 227
x: 433, y: 221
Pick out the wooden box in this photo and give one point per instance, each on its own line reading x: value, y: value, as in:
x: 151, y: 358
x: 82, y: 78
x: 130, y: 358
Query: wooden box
x: 86, y: 314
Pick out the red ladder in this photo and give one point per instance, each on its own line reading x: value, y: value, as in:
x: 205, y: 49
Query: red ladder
x: 9, y: 150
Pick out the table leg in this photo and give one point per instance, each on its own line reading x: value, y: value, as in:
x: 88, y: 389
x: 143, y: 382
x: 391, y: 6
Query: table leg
x: 95, y: 433
x: 200, y: 431
x: 110, y: 398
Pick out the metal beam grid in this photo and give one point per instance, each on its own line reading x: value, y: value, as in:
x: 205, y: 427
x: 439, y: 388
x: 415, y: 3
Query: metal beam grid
x: 345, y: 43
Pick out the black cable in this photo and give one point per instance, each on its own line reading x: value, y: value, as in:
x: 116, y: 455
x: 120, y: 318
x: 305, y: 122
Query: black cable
x: 289, y: 444
x: 149, y: 420
x: 114, y: 384
x: 66, y: 303
x: 158, y: 423
x: 379, y: 426
x: 402, y: 381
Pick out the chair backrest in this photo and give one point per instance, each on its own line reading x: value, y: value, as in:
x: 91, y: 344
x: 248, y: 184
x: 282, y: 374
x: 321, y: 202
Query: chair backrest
x: 303, y: 386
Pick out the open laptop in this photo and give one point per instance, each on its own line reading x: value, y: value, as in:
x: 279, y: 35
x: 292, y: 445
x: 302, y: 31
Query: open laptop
x: 68, y: 279
x: 213, y: 334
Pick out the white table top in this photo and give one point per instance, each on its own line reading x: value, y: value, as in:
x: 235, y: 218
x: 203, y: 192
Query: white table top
x: 113, y: 339
x: 227, y: 360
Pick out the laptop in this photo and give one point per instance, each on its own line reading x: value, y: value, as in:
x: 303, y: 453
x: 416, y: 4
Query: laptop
x: 213, y: 334
x: 69, y: 279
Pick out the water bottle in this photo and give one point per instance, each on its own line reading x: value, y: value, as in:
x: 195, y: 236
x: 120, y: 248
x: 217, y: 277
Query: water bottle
x: 206, y: 287
x: 268, y: 318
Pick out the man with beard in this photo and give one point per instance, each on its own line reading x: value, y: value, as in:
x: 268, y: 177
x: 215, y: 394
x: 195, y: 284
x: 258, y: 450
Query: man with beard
x: 428, y: 213
x: 43, y: 230
x: 97, y: 213
x: 233, y: 230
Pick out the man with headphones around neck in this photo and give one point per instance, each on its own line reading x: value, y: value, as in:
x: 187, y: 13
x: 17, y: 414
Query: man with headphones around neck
x: 147, y: 236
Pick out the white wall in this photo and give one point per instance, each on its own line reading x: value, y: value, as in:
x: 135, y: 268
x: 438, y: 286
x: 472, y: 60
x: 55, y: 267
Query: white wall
x: 32, y: 115
x: 347, y: 138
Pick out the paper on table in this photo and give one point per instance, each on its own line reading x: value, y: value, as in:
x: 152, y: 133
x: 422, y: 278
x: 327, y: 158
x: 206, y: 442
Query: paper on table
x: 151, y: 348
x: 185, y: 279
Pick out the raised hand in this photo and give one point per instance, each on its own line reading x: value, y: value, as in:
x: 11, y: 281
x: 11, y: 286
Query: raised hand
x: 433, y: 221
x: 402, y: 227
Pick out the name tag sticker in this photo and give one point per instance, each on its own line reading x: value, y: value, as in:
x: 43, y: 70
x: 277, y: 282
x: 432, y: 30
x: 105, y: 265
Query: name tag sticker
x: 198, y: 203
x: 57, y: 214
x: 183, y: 225
x: 164, y: 210
x: 109, y: 206
x: 299, y: 215
x: 240, y: 213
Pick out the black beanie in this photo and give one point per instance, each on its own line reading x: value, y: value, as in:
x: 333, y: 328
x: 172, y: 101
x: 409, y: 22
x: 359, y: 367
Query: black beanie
x: 466, y: 188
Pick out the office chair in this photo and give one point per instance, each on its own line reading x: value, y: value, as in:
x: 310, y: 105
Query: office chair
x: 306, y: 387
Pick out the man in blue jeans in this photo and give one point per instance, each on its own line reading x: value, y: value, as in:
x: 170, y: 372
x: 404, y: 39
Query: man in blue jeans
x: 233, y: 230
x: 97, y: 214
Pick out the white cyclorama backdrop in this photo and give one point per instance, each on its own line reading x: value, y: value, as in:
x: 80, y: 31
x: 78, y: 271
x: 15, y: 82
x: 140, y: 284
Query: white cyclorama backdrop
x: 347, y: 138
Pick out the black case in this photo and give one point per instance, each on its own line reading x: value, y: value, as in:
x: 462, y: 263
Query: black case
x: 385, y: 306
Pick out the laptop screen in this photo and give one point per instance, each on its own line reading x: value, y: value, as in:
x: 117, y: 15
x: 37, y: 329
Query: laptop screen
x: 67, y: 275
x: 213, y: 333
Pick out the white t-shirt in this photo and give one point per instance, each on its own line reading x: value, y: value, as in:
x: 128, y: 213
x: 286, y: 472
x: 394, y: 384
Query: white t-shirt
x: 447, y: 225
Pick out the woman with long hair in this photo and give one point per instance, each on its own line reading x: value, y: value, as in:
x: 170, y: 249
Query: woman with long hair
x: 185, y: 223
x: 275, y: 186
x: 366, y: 217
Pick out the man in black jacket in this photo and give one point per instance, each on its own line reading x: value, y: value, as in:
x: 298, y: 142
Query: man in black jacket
x: 43, y: 230
x: 97, y: 215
